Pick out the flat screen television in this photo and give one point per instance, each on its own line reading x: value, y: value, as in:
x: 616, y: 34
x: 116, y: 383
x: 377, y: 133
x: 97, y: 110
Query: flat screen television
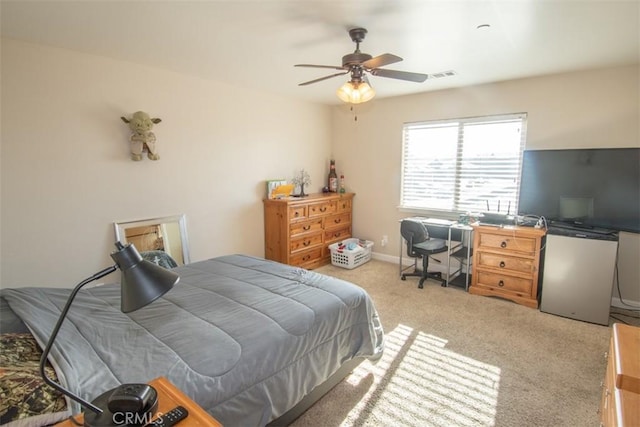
x: 589, y: 188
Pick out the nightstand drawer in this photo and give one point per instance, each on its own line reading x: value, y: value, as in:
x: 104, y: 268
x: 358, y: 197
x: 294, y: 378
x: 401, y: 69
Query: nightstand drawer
x: 504, y: 283
x: 507, y: 242
x: 505, y: 262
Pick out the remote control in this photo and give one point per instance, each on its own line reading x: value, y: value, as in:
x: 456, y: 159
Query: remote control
x: 172, y: 417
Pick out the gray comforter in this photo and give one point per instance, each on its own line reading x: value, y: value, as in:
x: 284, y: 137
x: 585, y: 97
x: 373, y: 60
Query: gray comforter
x: 244, y: 337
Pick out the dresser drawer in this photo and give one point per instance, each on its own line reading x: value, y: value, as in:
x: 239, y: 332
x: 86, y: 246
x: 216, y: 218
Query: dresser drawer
x: 307, y: 258
x: 324, y: 208
x: 298, y: 212
x: 505, y: 262
x: 504, y: 283
x: 344, y: 205
x: 337, y: 234
x: 339, y: 220
x: 306, y: 242
x: 298, y: 228
x: 507, y: 242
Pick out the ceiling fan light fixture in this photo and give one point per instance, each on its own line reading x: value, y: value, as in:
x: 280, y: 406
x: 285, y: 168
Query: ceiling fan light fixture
x: 355, y: 92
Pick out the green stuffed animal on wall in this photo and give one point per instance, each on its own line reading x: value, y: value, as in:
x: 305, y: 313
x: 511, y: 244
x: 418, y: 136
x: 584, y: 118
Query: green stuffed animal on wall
x: 142, y: 139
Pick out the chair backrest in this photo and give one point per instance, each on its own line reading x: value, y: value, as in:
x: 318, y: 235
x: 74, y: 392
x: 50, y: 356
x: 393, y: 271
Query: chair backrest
x: 160, y: 258
x: 413, y: 232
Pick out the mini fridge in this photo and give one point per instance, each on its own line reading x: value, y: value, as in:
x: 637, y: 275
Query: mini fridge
x: 578, y: 276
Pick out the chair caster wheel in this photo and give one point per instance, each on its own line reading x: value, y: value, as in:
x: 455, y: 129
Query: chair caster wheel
x: 403, y: 277
x: 420, y: 286
x: 444, y: 285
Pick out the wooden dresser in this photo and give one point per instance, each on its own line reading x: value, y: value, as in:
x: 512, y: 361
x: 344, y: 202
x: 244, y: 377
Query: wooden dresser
x: 506, y: 263
x: 620, y: 403
x: 298, y: 231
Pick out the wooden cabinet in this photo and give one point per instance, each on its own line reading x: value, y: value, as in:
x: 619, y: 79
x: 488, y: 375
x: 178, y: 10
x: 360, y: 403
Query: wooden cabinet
x: 506, y: 263
x: 298, y: 231
x: 620, y: 401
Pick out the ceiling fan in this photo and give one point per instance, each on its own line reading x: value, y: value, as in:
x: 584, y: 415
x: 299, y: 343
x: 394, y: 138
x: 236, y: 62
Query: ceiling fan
x: 358, y: 64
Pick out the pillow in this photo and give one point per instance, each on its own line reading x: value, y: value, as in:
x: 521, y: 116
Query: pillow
x: 23, y: 392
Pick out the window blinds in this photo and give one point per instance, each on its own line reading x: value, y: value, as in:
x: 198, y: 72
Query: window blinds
x: 463, y: 165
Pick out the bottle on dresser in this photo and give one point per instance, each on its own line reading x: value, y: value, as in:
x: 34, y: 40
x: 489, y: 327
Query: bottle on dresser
x: 333, y: 177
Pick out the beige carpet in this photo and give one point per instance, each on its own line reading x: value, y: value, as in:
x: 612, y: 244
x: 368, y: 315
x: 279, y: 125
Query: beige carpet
x: 456, y: 359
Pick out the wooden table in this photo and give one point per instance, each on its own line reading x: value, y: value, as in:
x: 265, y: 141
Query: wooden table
x: 170, y: 396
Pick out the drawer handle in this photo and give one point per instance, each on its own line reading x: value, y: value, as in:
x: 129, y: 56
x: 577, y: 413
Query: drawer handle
x: 306, y: 243
x: 323, y: 209
x: 501, y: 283
x: 308, y: 227
x: 337, y: 234
x: 502, y: 264
x: 306, y: 257
x: 296, y: 214
x: 503, y: 244
x: 337, y: 220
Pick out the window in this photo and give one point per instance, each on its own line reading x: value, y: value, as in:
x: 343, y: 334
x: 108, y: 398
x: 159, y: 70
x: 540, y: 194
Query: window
x: 463, y: 165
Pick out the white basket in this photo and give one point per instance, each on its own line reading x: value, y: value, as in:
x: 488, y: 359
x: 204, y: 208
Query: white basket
x: 350, y: 258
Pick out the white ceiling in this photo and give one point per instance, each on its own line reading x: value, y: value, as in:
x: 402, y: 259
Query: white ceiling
x: 256, y: 43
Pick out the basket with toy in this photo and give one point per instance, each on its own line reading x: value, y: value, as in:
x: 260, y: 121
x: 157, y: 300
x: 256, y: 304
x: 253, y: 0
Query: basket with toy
x: 350, y: 253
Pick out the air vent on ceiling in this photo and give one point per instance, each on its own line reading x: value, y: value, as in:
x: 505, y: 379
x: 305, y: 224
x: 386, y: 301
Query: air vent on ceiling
x: 449, y: 73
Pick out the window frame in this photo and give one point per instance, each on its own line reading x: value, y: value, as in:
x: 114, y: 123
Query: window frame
x: 456, y: 208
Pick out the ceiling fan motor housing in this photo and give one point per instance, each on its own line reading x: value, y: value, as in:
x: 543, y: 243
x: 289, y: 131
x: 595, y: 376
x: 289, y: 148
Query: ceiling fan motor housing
x: 355, y: 59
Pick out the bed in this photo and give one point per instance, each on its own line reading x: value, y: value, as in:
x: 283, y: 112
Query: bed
x: 251, y: 341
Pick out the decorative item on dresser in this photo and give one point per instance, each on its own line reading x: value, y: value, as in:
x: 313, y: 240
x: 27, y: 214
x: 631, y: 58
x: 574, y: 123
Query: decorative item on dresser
x: 620, y: 401
x: 299, y: 231
x: 506, y: 263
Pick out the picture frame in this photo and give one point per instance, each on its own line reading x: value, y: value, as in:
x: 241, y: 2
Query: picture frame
x: 272, y: 185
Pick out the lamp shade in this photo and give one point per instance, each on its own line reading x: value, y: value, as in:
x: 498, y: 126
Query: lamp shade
x: 355, y: 92
x: 142, y: 281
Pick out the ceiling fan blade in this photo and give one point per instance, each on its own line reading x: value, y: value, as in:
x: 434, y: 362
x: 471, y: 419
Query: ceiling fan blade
x: 381, y: 60
x: 323, y: 78
x: 332, y: 67
x: 400, y: 75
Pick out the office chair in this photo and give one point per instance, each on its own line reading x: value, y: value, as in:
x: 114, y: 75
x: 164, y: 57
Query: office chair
x: 420, y: 245
x: 160, y: 258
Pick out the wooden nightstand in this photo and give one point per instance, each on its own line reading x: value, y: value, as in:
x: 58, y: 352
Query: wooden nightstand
x: 169, y: 396
x: 506, y: 263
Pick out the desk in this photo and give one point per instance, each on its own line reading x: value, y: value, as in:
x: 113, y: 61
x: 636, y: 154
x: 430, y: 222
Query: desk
x: 452, y: 231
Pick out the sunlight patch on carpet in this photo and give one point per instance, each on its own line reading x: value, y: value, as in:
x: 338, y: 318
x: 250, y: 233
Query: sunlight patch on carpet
x: 418, y: 382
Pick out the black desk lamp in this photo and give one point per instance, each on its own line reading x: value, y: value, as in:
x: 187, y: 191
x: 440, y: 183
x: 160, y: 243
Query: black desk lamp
x: 142, y: 283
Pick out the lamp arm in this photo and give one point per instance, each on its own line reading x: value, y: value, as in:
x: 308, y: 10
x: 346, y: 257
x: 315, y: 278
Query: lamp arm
x: 43, y: 359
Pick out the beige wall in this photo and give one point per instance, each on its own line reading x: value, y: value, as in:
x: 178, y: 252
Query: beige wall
x: 590, y: 109
x: 66, y: 174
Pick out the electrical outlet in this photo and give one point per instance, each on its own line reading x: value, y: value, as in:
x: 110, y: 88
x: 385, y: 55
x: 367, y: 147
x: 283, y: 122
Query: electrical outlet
x: 385, y: 240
